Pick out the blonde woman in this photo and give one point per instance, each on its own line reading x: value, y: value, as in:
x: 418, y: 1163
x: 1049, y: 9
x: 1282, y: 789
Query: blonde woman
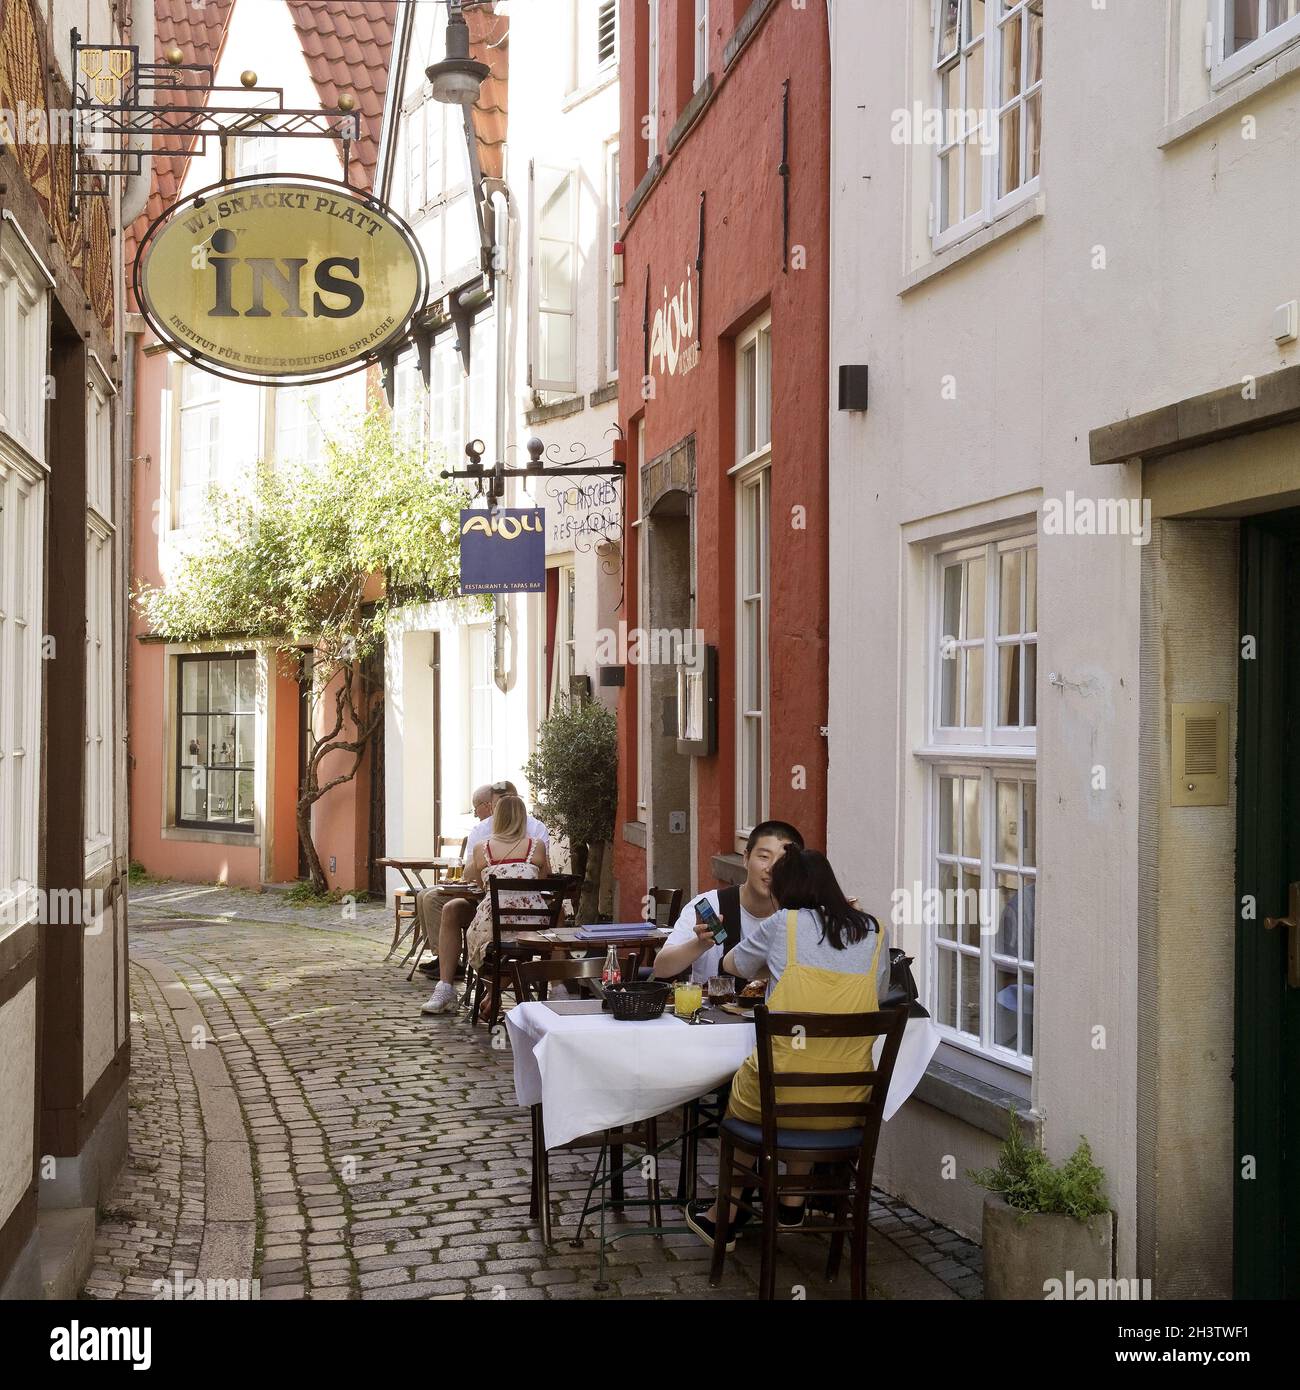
x: 509, y: 852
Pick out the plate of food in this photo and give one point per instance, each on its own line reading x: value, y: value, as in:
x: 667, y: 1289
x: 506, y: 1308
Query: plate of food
x: 753, y: 993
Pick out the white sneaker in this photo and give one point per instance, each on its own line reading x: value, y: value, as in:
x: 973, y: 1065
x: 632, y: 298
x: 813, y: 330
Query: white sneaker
x: 441, y: 1000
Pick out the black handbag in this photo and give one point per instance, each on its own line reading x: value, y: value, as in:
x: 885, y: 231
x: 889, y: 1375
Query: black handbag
x: 902, y: 986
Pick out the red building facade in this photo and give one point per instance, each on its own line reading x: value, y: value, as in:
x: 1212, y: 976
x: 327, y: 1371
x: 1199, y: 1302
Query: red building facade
x: 723, y: 393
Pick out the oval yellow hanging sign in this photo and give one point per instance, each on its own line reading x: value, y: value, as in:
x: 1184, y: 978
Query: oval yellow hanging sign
x: 278, y: 281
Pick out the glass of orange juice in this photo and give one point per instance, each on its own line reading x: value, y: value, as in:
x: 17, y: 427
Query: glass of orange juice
x: 687, y: 1000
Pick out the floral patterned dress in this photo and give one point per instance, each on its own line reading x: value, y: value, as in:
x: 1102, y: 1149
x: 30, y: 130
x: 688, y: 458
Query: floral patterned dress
x: 479, y: 935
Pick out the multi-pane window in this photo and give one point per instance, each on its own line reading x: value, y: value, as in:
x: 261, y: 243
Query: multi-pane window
x: 564, y: 666
x: 701, y: 43
x: 23, y: 365
x: 612, y: 289
x: 216, y: 734
x: 652, y: 77
x: 752, y: 542
x: 23, y: 346
x: 99, y: 623
x: 754, y: 392
x: 446, y: 393
x: 643, y: 670
x: 752, y: 471
x: 408, y: 400
x: 988, y: 65
x: 435, y: 176
x: 219, y: 438
x: 21, y: 530
x: 481, y: 690
x: 554, y: 271
x: 1249, y: 32
x: 982, y: 839
x: 299, y: 428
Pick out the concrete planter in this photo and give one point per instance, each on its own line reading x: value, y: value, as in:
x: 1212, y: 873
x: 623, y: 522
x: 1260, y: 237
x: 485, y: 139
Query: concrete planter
x: 1021, y: 1257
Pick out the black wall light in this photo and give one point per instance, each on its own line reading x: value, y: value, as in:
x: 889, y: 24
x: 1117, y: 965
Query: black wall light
x: 853, y: 387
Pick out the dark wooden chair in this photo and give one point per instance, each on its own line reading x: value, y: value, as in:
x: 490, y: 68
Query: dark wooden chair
x: 849, y: 1150
x: 531, y: 981
x: 509, y: 917
x: 667, y: 903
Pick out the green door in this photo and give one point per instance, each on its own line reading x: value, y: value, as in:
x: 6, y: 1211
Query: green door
x: 1267, y: 1074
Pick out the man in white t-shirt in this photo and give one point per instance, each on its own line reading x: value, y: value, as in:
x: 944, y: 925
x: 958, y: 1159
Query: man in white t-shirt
x: 690, y: 944
x: 481, y: 831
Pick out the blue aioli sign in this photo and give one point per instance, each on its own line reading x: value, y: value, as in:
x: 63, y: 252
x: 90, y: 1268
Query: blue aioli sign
x: 503, y: 552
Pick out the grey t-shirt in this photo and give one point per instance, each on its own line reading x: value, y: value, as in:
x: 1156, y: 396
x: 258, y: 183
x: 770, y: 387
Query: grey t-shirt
x: 766, y: 946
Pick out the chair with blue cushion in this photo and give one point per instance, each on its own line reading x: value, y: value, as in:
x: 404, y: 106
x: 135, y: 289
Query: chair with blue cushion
x: 848, y: 1151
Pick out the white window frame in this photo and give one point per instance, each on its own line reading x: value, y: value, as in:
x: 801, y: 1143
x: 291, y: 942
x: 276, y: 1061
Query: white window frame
x: 701, y: 43
x: 753, y: 491
x: 652, y: 68
x: 642, y: 670
x: 480, y: 635
x: 751, y: 474
x: 564, y: 657
x: 101, y: 662
x: 546, y: 179
x: 989, y: 753
x: 22, y: 480
x: 612, y: 291
x: 990, y: 108
x: 1224, y: 66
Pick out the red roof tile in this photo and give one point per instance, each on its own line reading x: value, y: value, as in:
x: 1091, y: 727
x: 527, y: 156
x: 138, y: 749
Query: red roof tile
x: 348, y: 48
x: 489, y: 42
x: 200, y: 33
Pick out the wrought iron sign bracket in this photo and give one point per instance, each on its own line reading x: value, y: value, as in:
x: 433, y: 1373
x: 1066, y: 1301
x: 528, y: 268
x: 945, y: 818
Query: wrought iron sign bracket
x: 110, y: 85
x: 491, y: 482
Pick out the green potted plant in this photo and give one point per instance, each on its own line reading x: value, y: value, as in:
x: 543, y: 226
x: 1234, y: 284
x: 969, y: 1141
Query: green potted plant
x: 573, y: 774
x: 1046, y: 1228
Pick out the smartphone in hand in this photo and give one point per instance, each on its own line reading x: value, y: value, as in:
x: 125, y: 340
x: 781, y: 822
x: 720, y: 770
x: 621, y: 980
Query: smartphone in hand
x: 705, y: 913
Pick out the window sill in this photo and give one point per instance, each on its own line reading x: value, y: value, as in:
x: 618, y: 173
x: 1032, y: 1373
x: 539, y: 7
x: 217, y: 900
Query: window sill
x: 1031, y: 210
x: 581, y: 94
x: 634, y: 833
x: 210, y: 837
x: 980, y: 1104
x: 604, y: 394
x: 556, y: 410
x: 1235, y: 93
x: 975, y: 752
x: 728, y: 868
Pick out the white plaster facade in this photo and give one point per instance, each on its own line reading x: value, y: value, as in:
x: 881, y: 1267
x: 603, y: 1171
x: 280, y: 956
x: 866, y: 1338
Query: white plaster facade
x: 1141, y: 267
x: 563, y: 115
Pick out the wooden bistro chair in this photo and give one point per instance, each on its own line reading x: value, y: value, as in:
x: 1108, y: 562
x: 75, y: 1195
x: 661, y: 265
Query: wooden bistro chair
x: 667, y: 905
x: 851, y: 1149
x: 532, y: 979
x: 508, y: 918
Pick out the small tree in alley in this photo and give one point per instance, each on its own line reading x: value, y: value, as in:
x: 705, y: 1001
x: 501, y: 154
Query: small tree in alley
x: 310, y: 560
x: 573, y: 773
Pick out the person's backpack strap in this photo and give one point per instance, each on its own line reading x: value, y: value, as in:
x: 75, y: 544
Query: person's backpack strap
x: 729, y: 911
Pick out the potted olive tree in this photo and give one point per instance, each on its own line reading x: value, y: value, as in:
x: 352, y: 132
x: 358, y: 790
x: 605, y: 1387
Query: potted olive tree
x: 1047, y: 1229
x: 573, y: 773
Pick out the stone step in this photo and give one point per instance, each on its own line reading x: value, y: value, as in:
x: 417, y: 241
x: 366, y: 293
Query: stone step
x: 66, y: 1239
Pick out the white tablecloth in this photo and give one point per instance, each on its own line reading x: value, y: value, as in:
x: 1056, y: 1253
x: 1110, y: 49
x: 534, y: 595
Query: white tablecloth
x: 591, y: 1072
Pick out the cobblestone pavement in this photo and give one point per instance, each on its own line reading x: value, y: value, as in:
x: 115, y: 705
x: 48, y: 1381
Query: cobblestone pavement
x: 329, y: 1141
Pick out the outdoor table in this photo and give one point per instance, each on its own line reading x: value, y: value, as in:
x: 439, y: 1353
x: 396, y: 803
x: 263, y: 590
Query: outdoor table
x: 413, y: 872
x: 600, y: 936
x: 591, y: 1072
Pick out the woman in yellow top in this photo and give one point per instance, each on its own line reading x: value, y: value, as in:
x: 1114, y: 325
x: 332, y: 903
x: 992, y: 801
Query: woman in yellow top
x: 822, y: 955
